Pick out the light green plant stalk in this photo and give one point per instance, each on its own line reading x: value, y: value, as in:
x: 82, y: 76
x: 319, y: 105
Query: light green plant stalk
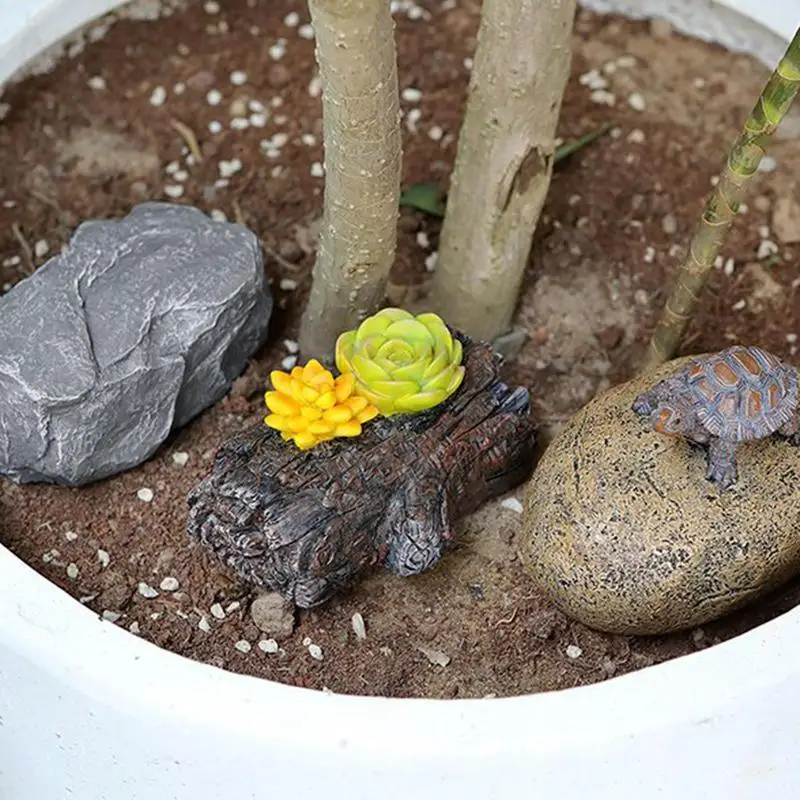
x: 723, y: 205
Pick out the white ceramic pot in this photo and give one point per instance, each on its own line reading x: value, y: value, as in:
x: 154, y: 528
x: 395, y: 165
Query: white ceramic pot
x: 90, y: 712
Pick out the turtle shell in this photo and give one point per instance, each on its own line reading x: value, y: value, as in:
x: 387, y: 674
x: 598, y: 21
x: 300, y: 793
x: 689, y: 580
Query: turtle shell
x: 742, y: 392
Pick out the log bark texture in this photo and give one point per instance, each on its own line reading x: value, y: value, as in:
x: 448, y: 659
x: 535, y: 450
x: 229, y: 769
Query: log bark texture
x: 360, y: 101
x: 504, y: 162
x: 305, y: 524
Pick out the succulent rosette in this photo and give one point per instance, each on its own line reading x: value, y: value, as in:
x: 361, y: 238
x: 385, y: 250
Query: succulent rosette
x: 309, y: 406
x: 401, y: 363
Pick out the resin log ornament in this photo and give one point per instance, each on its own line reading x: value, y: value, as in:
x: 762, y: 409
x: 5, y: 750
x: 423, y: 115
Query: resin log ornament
x: 306, y: 523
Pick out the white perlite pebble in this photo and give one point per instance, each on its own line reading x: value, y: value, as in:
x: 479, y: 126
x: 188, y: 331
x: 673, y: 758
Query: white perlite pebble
x: 512, y: 504
x: 315, y: 651
x: 211, y: 7
x: 104, y: 558
x: 204, y: 624
x: 278, y: 50
x: 134, y: 628
x: 228, y: 168
x: 218, y: 216
x: 288, y: 284
x: 766, y: 248
x: 145, y: 494
x: 240, y: 123
x: 258, y: 119
x: 97, y: 82
x: 111, y: 616
x: 268, y: 645
x: 214, y: 97
x: 767, y: 164
x: 359, y: 628
x: 431, y: 261
x: 603, y: 97
x: 41, y: 248
x: 217, y: 611
x: 215, y: 126
x: 170, y: 584
x: 289, y: 362
x: 180, y: 458
x: 435, y: 133
x: 411, y: 94
x: 145, y: 590
x: 70, y: 536
x: 636, y: 102
x: 238, y: 77
x: 292, y: 19
x: 306, y: 31
x: 573, y: 651
x: 291, y: 346
x: 72, y: 571
x: 158, y: 96
x: 317, y: 170
x: 243, y: 646
x: 173, y: 190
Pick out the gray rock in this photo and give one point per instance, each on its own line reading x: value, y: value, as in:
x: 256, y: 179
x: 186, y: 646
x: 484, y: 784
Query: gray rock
x: 138, y: 326
x: 273, y: 615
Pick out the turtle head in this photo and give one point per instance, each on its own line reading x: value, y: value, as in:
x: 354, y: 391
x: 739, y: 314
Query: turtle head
x: 666, y: 414
x: 668, y: 418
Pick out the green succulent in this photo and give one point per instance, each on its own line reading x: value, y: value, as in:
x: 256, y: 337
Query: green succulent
x: 401, y: 363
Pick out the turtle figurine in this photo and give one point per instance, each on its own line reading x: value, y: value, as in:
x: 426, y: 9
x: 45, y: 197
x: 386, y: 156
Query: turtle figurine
x: 719, y: 400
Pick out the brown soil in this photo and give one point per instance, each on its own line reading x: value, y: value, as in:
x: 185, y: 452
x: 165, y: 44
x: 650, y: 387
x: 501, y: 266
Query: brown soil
x: 618, y: 217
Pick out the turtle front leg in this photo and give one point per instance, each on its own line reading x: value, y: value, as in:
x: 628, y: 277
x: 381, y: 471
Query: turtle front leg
x: 721, y: 462
x: 791, y: 430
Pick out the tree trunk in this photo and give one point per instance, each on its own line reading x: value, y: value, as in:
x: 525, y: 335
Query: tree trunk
x: 360, y: 101
x: 504, y: 162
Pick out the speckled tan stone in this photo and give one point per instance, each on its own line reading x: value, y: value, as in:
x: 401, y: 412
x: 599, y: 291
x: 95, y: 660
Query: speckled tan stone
x: 624, y: 533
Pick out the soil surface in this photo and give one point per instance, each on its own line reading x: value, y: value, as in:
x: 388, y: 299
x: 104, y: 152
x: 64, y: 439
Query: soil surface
x: 116, y: 122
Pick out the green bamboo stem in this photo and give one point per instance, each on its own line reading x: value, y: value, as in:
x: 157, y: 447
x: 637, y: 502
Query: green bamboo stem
x: 723, y: 205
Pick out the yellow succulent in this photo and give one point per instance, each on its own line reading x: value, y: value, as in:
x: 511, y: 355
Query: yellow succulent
x: 401, y: 363
x: 308, y: 406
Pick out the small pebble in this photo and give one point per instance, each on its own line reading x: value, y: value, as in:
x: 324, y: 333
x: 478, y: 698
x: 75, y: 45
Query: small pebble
x: 50, y: 555
x: 134, y: 628
x: 791, y: 338
x: 729, y: 266
x: 512, y: 504
x: 291, y: 346
x: 145, y: 590
x: 289, y: 362
x: 211, y: 7
x: 111, y: 616
x: 215, y: 126
x: 278, y: 50
x: 234, y: 606
x: 359, y: 628
x: 181, y: 175
x: 292, y: 19
x: 306, y: 32
x: 435, y: 133
x: 317, y: 170
x: 204, y: 624
x: 97, y: 82
x: 268, y: 645
x: 41, y: 248
x: 315, y: 651
x: 145, y: 494
x: 637, y: 102
x: 179, y: 88
x: 238, y: 77
x: 308, y: 139
x: 411, y: 95
x: 158, y: 96
x: 739, y: 305
x: 240, y: 123
x: 72, y: 570
x: 436, y: 657
x: 228, y: 168
x: 288, y: 284
x: 214, y: 97
x: 217, y: 216
x: 243, y: 646
x: 766, y: 248
x: 170, y: 584
x: 573, y: 651
x: 423, y: 240
x: 104, y: 558
x: 70, y: 536
x: 636, y: 136
x: 217, y: 611
x: 767, y: 164
x: 173, y: 190
x: 258, y: 119
x: 603, y: 97
x: 180, y: 458
x: 431, y: 261
x: 669, y: 224
x: 412, y: 118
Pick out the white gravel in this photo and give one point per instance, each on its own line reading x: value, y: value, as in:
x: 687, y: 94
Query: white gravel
x: 145, y: 494
x: 170, y: 584
x: 145, y: 590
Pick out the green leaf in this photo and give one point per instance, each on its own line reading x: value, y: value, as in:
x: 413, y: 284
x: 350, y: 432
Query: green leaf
x: 568, y: 148
x: 424, y: 197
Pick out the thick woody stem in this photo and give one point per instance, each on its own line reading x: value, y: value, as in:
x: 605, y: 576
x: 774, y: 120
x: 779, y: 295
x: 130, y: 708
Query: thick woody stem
x: 358, y: 67
x: 504, y: 162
